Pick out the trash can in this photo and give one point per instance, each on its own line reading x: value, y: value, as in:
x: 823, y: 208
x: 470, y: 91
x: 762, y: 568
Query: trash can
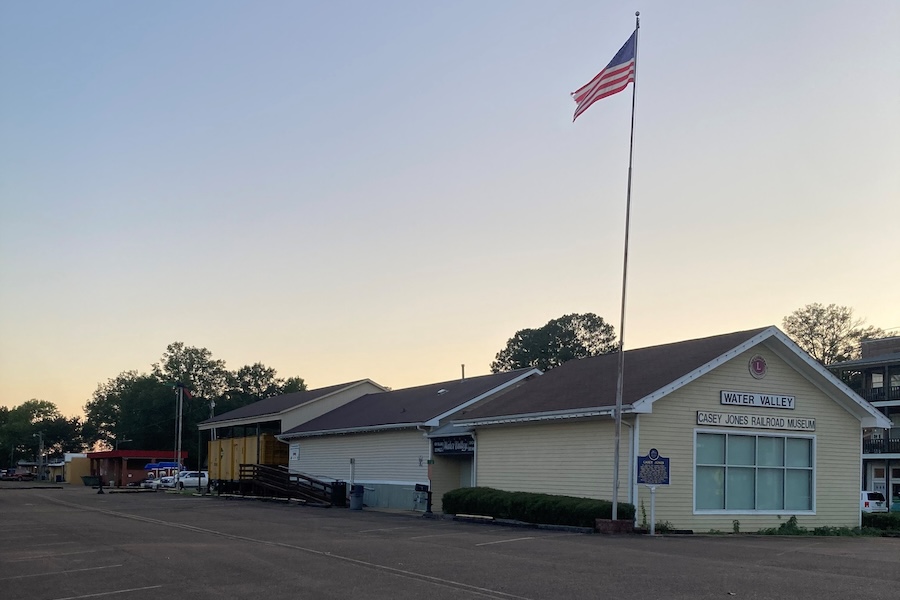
x: 356, y: 497
x: 59, y: 479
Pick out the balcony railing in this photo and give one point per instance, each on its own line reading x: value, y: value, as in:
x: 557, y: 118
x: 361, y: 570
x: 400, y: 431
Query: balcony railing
x: 878, y: 394
x: 881, y: 446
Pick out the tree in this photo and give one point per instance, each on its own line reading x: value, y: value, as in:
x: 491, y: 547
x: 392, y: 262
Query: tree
x: 829, y: 334
x: 133, y: 406
x: 255, y: 382
x: 203, y: 375
x: 21, y: 425
x: 568, y: 337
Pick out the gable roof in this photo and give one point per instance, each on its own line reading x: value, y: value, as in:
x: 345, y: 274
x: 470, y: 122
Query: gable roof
x: 587, y: 387
x: 275, y: 405
x: 424, y: 405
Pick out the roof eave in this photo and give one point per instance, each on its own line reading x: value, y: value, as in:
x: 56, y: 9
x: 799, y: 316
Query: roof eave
x: 436, y: 421
x: 580, y: 413
x: 372, y: 428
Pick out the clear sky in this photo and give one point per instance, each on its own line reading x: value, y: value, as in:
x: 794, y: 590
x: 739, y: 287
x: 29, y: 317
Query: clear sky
x: 390, y: 189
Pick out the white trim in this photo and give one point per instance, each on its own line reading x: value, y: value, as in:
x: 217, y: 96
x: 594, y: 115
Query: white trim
x: 759, y: 433
x: 391, y: 482
x: 868, y: 416
x: 552, y: 415
x: 882, y: 403
x: 649, y: 399
x: 435, y: 421
x: 304, y: 434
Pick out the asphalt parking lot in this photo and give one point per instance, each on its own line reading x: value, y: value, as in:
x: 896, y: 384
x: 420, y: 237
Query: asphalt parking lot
x: 72, y: 543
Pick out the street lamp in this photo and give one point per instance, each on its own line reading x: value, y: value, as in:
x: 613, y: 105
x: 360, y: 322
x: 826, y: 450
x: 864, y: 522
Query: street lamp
x: 122, y: 441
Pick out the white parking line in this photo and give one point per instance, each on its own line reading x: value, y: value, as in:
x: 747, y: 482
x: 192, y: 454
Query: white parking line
x: 59, y: 572
x: 55, y: 555
x: 42, y: 545
x: 149, y: 587
x: 419, y: 537
x: 504, y: 541
x: 384, y: 529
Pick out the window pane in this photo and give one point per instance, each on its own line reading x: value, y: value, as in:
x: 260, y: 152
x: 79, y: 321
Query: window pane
x: 741, y: 450
x: 770, y: 489
x: 710, y: 449
x: 771, y: 452
x: 798, y: 490
x: 739, y: 492
x: 710, y: 488
x: 799, y: 452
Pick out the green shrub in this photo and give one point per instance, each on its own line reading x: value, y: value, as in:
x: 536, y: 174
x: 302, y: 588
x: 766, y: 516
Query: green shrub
x: 792, y: 528
x: 532, y: 508
x: 883, y: 521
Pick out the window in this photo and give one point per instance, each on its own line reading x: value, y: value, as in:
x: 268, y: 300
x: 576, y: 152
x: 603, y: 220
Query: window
x: 747, y: 473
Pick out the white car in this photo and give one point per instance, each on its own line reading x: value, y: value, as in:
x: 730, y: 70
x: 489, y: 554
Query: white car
x: 192, y: 479
x: 872, y: 502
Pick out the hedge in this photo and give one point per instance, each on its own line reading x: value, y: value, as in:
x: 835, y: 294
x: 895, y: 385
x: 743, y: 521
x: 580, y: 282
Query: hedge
x: 884, y: 521
x: 545, y: 509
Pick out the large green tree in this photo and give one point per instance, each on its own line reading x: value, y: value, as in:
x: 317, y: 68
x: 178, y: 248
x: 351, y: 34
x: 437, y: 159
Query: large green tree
x: 566, y: 338
x: 830, y: 333
x: 139, y: 410
x: 22, y: 427
x: 205, y: 376
x: 255, y: 382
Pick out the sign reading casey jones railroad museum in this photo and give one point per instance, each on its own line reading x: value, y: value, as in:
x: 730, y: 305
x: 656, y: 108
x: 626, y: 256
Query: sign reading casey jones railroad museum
x: 755, y: 421
x: 653, y: 469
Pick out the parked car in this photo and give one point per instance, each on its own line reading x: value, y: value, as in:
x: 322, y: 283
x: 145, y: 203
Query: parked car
x: 872, y: 502
x: 193, y: 479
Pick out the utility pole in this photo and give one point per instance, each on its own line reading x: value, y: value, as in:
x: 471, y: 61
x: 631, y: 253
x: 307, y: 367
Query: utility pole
x: 40, y: 436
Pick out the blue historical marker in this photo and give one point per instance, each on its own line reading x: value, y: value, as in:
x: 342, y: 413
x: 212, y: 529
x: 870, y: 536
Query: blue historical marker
x: 653, y: 469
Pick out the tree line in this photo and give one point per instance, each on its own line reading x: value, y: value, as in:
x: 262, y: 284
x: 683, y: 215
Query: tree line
x: 136, y: 410
x: 829, y: 334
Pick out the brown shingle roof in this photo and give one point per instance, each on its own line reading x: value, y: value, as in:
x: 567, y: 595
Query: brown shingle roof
x: 413, y: 406
x: 277, y: 404
x: 591, y: 382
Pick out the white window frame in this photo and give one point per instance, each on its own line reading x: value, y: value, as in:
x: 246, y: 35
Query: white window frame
x: 757, y: 434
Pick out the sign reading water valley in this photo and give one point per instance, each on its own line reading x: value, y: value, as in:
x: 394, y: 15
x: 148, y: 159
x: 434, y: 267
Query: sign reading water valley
x: 757, y: 399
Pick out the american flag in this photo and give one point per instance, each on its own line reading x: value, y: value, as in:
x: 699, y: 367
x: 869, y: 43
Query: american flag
x: 611, y: 80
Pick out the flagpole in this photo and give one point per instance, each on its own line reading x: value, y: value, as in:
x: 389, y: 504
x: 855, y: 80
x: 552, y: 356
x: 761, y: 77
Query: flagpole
x: 621, y: 370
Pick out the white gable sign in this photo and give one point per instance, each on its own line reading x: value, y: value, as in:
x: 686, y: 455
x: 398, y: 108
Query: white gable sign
x: 756, y: 399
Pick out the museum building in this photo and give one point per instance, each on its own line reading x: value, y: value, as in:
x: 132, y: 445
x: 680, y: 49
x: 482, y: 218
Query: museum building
x: 738, y: 430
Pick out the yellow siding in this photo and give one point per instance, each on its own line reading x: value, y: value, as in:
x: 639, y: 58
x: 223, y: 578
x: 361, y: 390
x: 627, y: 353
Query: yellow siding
x: 445, y: 474
x: 670, y: 429
x: 558, y: 457
x: 76, y: 468
x: 227, y: 454
x: 387, y: 456
x: 319, y: 407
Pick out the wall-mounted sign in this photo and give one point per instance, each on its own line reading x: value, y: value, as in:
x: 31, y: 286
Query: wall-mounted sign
x: 755, y: 421
x: 758, y: 367
x: 454, y: 445
x: 295, y: 451
x: 653, y: 469
x: 756, y: 399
